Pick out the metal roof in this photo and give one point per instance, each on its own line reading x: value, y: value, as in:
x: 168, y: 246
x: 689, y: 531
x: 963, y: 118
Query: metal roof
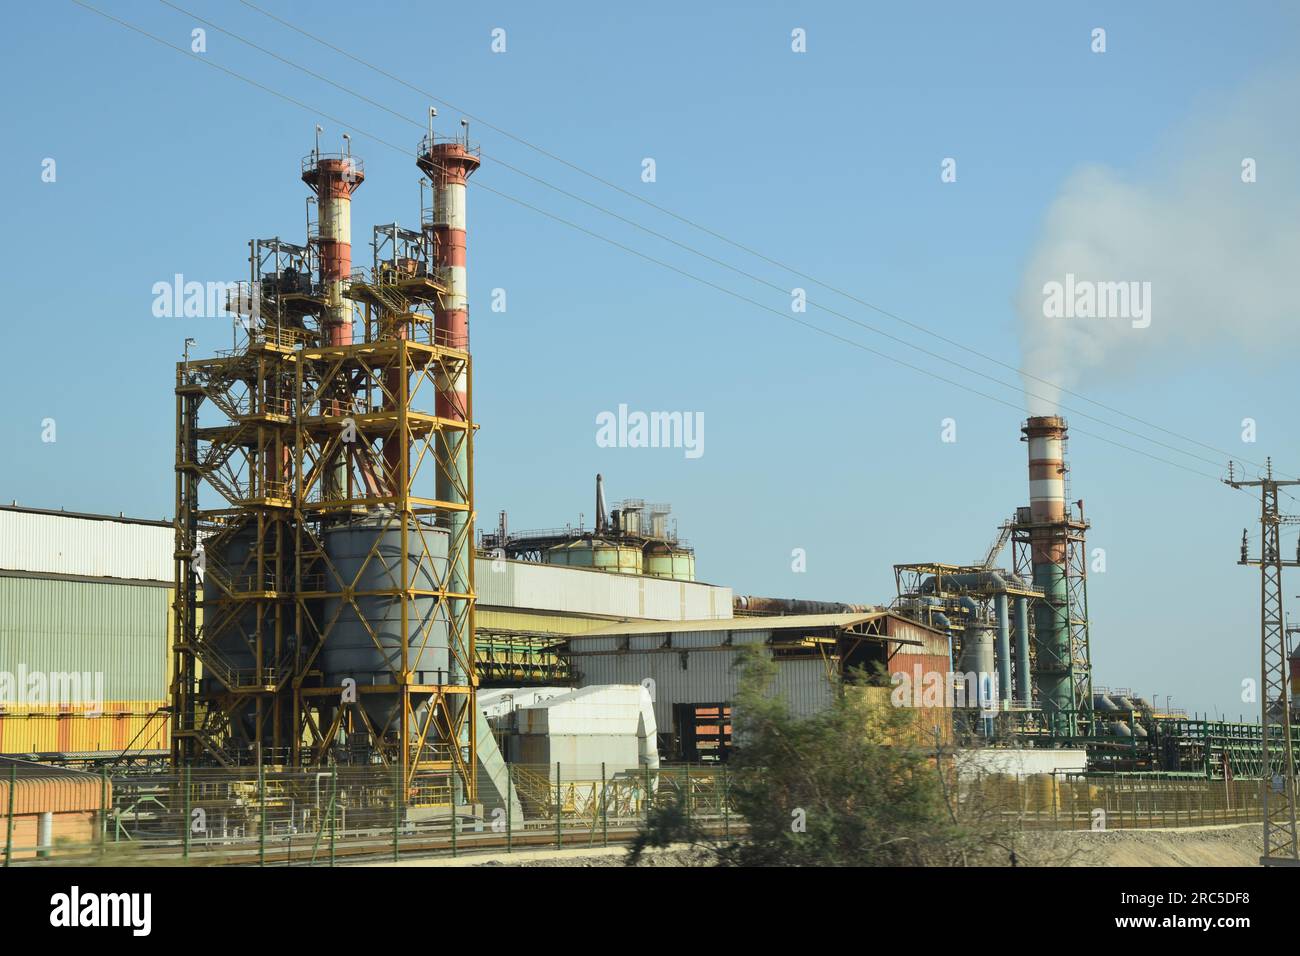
x: 61, y: 543
x: 63, y: 513
x: 776, y: 622
x: 41, y: 788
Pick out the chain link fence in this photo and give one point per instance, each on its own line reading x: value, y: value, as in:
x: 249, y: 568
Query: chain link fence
x: 210, y: 816
x: 328, y: 817
x: 1071, y: 801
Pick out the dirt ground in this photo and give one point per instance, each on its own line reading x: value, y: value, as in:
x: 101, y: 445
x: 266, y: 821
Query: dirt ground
x: 1189, y: 846
x: 1239, y: 845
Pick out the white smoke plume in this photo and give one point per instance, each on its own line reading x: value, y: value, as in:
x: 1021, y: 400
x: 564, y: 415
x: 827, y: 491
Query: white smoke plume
x: 1222, y: 256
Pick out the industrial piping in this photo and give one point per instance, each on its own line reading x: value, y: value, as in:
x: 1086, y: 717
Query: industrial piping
x: 1003, y: 646
x: 1024, y: 682
x: 601, y: 514
x: 768, y: 605
x: 999, y: 582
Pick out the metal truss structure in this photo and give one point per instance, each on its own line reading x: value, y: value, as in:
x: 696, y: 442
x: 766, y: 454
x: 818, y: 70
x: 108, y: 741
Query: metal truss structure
x: 1071, y: 533
x: 1278, y: 782
x: 511, y: 658
x: 306, y: 437
x: 950, y: 583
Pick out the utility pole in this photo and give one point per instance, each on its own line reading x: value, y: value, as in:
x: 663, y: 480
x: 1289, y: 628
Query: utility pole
x: 1278, y: 789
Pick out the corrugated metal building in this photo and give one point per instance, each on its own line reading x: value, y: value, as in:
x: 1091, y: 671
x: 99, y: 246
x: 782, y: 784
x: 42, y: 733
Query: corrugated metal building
x: 70, y: 544
x: 691, y: 665
x: 119, y: 631
x: 85, y: 616
x: 551, y: 591
x: 92, y: 594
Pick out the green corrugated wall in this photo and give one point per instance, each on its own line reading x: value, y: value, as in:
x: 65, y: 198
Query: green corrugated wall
x: 118, y: 629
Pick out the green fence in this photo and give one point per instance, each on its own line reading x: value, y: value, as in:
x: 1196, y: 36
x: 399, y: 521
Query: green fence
x: 353, y: 814
x: 1112, y: 802
x: 330, y: 816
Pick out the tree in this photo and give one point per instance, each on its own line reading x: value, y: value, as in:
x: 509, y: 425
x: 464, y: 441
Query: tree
x: 858, y: 784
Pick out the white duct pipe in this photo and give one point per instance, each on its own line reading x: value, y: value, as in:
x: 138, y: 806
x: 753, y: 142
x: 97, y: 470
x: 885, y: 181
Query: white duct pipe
x: 647, y: 733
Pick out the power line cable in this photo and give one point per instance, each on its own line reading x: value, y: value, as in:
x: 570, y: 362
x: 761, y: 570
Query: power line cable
x: 1018, y: 388
x: 307, y: 107
x: 738, y: 245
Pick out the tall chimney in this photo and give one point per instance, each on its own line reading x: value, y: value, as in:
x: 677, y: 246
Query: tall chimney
x: 334, y: 178
x: 1048, y: 536
x: 600, y: 504
x: 448, y: 164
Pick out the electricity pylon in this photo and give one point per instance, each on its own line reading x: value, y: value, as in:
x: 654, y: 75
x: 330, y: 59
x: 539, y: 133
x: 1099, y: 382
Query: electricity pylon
x: 1278, y: 783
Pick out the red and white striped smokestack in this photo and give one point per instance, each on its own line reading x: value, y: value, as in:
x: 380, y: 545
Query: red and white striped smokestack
x: 334, y: 178
x: 449, y: 164
x: 1046, y: 436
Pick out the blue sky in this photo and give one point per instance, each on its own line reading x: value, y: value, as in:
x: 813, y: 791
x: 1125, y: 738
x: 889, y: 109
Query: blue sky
x: 827, y: 161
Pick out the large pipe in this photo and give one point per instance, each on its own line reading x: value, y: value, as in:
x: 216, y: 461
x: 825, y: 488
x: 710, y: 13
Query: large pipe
x: 1024, y: 683
x: 977, y: 659
x: 647, y: 732
x: 1003, y: 646
x: 767, y: 605
x: 980, y: 580
x: 1046, y: 435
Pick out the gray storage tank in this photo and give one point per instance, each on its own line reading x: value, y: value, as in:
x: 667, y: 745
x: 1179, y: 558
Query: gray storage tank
x: 226, y: 558
x: 365, y: 636
x: 977, y: 657
x: 230, y: 557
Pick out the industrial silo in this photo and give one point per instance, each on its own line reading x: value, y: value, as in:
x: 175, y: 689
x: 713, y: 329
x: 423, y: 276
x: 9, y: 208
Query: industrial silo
x: 229, y: 635
x: 233, y: 575
x: 978, y: 664
x: 662, y: 560
x: 596, y: 554
x: 363, y: 634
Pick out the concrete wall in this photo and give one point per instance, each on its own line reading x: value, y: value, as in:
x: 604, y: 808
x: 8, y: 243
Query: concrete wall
x: 1020, y: 763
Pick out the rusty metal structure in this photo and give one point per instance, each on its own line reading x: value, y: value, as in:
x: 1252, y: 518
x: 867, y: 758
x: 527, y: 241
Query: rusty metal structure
x: 325, y: 506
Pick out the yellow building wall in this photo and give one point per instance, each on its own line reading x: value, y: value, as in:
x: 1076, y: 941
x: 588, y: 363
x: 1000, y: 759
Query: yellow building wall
x: 121, y: 725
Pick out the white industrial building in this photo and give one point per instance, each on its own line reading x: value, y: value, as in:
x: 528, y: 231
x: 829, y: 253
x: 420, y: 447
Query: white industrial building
x: 689, y: 667
x: 608, y: 728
